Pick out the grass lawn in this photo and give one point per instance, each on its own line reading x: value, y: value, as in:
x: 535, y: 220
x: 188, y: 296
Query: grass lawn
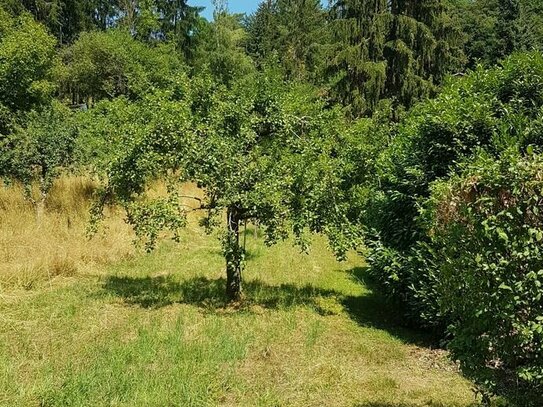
x: 153, y: 330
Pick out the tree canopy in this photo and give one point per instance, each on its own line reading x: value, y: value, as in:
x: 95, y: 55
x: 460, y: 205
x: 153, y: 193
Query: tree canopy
x: 110, y: 64
x: 260, y: 150
x: 399, y: 50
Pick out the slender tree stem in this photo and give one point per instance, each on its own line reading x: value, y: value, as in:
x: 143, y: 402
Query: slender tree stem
x: 234, y: 255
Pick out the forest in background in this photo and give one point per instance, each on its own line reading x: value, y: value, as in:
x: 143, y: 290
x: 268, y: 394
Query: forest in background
x: 411, y: 131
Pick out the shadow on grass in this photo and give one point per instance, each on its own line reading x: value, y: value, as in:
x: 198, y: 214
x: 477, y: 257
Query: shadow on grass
x: 369, y: 310
x: 373, y: 310
x: 156, y: 292
x: 160, y: 291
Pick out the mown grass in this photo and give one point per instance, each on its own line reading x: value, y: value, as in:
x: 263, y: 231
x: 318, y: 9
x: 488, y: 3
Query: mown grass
x: 154, y: 330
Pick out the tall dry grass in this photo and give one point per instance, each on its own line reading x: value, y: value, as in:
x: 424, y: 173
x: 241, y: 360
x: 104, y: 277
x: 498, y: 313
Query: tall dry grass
x: 35, y: 251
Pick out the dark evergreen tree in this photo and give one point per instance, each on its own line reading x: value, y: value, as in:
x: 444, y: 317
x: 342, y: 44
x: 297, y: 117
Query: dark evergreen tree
x: 398, y: 50
x: 531, y: 24
x: 497, y: 28
x: 291, y: 31
x: 151, y: 20
x: 178, y: 22
x: 263, y: 31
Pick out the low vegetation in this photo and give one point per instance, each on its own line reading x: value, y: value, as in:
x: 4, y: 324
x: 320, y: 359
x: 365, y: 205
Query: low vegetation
x: 34, y: 251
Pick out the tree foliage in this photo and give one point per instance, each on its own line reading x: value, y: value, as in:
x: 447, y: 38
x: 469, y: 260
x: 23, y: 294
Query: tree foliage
x: 496, y: 28
x: 445, y: 273
x: 109, y: 64
x: 65, y: 19
x: 260, y: 150
x: 307, y: 120
x: 399, y: 50
x: 171, y: 21
x: 37, y: 151
x: 26, y: 61
x: 291, y: 32
x: 221, y: 48
x: 487, y: 230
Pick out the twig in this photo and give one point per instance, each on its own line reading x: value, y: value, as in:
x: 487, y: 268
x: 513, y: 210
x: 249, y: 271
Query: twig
x: 191, y: 197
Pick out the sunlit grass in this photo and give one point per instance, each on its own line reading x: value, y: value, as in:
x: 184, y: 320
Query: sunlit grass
x: 154, y: 330
x: 33, y: 250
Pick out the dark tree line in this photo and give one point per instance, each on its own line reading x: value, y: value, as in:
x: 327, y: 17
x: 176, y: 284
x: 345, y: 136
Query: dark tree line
x: 147, y: 20
x: 360, y: 53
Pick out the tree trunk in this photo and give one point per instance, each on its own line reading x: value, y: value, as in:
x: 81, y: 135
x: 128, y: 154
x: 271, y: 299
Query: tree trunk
x: 40, y: 204
x: 40, y: 209
x: 233, y: 254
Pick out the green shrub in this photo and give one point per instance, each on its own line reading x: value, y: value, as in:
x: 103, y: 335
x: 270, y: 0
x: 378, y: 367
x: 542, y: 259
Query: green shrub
x: 465, y: 251
x: 410, y: 280
x: 488, y: 226
x: 493, y: 110
x: 38, y: 150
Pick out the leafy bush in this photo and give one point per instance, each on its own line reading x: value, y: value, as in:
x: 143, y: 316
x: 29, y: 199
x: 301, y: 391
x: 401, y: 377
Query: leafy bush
x: 493, y: 110
x: 38, y: 150
x: 488, y: 226
x: 464, y: 251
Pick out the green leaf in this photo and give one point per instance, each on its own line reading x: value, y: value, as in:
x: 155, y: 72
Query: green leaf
x: 502, y: 234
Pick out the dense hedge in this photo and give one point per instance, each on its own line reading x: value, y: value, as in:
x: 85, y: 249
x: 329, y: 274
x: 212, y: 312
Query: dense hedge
x: 497, y: 115
x: 488, y: 226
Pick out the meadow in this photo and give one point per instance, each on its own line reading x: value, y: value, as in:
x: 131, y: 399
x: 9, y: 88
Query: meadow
x: 99, y: 322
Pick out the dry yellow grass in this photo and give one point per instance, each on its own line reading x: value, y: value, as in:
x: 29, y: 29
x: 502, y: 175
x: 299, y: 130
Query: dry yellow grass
x: 34, y: 251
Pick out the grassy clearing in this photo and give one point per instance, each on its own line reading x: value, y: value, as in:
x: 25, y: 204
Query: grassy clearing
x: 153, y: 330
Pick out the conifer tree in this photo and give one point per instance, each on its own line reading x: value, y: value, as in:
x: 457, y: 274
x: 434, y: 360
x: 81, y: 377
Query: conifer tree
x: 398, y: 50
x: 531, y: 24
x: 497, y: 28
x: 65, y: 19
x: 263, y: 33
x: 178, y: 21
x: 292, y: 32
